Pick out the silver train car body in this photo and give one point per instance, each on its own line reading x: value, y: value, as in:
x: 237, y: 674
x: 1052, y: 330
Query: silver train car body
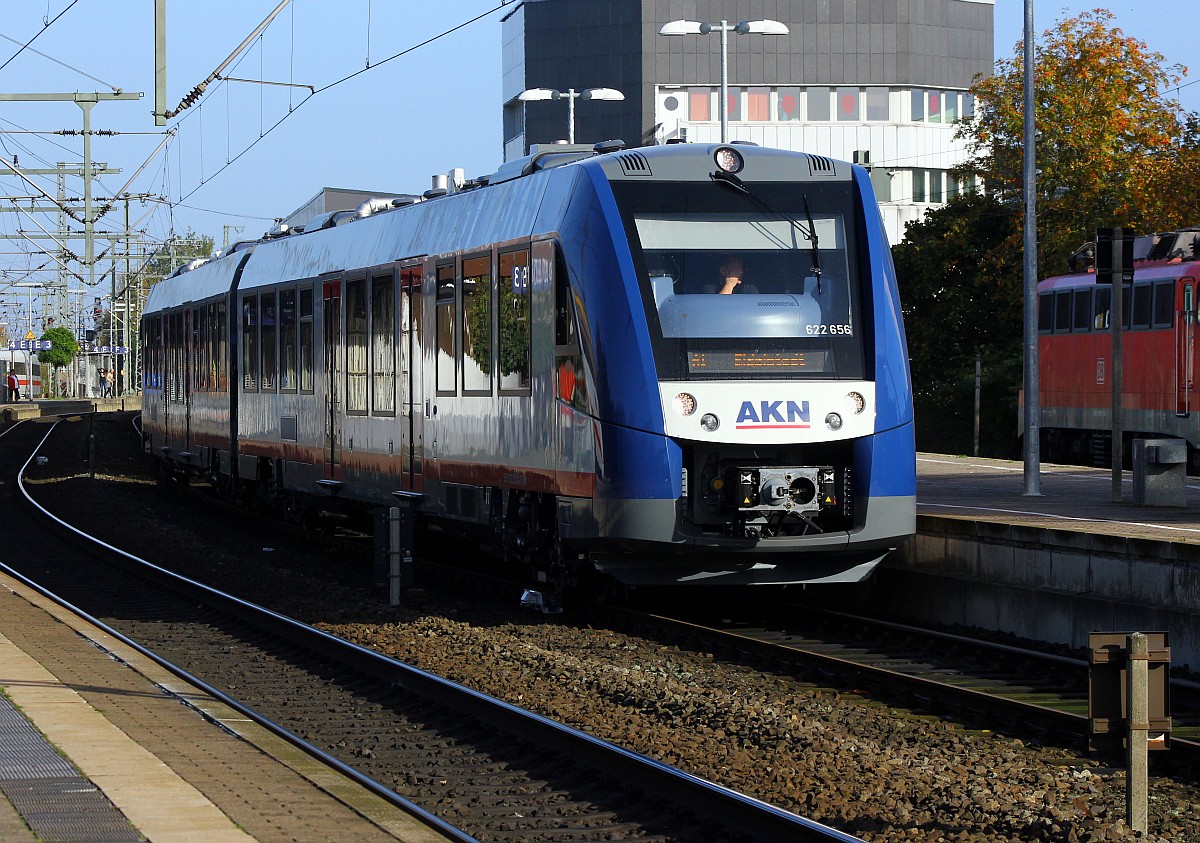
x: 532, y: 360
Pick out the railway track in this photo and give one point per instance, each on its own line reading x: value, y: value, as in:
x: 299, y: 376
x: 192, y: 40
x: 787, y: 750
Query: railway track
x: 983, y: 683
x: 477, y: 767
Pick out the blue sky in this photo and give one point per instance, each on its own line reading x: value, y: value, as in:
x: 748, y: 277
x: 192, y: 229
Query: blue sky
x: 388, y: 128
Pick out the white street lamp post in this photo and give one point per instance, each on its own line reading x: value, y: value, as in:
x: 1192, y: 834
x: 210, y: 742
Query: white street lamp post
x: 746, y: 27
x: 570, y: 95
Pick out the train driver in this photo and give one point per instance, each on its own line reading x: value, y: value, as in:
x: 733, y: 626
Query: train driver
x: 731, y: 278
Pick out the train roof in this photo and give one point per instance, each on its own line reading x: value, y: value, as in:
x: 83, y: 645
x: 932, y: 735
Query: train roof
x: 504, y: 206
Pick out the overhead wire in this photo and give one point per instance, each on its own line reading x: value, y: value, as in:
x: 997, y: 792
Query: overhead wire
x: 45, y: 25
x: 109, y: 85
x: 335, y: 83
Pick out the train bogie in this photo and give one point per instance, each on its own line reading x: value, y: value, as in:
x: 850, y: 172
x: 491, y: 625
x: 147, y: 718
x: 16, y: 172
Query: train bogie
x: 536, y: 360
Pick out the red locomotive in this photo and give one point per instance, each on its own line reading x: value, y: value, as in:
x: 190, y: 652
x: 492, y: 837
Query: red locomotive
x: 1159, y: 394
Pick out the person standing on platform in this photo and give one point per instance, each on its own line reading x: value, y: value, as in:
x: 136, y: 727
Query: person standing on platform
x: 108, y: 384
x: 14, y: 386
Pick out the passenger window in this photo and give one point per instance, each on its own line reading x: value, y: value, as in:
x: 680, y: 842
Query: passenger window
x: 307, y: 340
x: 202, y: 354
x: 250, y: 343
x: 356, y: 346
x: 383, y: 345
x: 287, y: 340
x: 270, y: 362
x: 446, y: 372
x: 222, y: 346
x: 514, y: 293
x: 477, y: 325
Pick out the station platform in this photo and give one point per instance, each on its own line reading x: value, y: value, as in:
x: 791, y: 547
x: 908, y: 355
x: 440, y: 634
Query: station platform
x: 99, y: 743
x: 1072, y: 498
x: 26, y: 409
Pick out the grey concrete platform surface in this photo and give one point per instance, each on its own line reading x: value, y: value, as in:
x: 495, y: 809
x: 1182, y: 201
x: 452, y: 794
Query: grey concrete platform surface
x: 152, y: 746
x: 1073, y: 498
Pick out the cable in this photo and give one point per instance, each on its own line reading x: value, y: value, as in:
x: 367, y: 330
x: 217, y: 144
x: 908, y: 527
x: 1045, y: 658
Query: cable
x: 334, y: 84
x: 45, y: 25
x: 111, y: 87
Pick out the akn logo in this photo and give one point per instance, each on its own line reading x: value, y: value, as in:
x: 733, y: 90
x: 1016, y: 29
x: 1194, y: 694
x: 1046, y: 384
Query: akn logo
x: 772, y: 415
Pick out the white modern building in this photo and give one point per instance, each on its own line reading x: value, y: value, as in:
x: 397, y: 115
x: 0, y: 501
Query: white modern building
x: 879, y: 82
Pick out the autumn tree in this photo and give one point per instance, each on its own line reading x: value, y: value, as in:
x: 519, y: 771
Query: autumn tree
x: 1105, y: 131
x: 1112, y: 150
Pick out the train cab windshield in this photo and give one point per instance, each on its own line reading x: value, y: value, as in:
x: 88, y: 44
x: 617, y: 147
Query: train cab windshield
x: 750, y: 286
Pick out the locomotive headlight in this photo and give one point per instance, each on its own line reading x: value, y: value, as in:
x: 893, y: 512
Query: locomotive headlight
x: 856, y: 402
x: 709, y: 422
x: 833, y: 421
x: 684, y: 403
x: 729, y: 159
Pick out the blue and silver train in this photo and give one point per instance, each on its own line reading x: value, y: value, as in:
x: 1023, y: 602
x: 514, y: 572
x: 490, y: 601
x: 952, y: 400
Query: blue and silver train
x: 545, y: 358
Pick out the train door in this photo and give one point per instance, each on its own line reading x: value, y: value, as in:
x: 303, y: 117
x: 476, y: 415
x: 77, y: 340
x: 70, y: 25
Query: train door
x: 332, y: 316
x: 411, y: 387
x: 1185, y: 339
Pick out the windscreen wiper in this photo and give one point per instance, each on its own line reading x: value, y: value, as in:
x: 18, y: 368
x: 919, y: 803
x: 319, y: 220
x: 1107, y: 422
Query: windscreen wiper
x: 734, y: 183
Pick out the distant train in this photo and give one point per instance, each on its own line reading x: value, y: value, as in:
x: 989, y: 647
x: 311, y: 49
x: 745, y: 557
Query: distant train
x: 1160, y: 395
x: 28, y: 369
x: 536, y: 358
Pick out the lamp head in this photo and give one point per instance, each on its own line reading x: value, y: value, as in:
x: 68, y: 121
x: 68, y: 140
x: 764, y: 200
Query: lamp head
x: 602, y: 94
x: 761, y: 27
x: 684, y: 27
x: 535, y: 94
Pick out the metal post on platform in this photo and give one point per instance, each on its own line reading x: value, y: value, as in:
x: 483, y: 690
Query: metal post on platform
x: 399, y: 551
x: 978, y: 383
x: 1136, y: 739
x: 1032, y: 420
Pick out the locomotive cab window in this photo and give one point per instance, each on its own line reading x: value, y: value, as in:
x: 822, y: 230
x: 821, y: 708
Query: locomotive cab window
x: 1082, y: 320
x: 1062, y: 311
x: 760, y: 286
x: 1102, y: 308
x: 1164, y: 304
x: 1142, y: 301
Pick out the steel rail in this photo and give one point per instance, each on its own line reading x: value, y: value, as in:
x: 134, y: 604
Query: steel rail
x: 752, y: 817
x: 1037, y: 716
x: 449, y: 831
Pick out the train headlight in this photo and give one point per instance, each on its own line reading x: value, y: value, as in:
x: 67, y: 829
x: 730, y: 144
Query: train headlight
x: 709, y: 422
x: 684, y: 403
x: 833, y: 421
x: 729, y: 159
x: 856, y: 402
